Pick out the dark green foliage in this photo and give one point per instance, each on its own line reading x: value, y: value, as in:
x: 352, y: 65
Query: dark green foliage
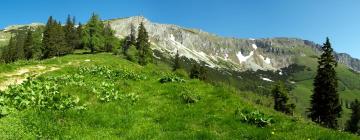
x: 92, y: 36
x: 198, y: 72
x: 110, y: 40
x: 54, y: 43
x: 171, y: 78
x: 143, y: 46
x: 19, y: 53
x: 9, y: 52
x: 29, y: 45
x: 280, y: 95
x: 16, y: 49
x: 325, y: 106
x: 176, y: 61
x: 254, y: 117
x: 79, y: 31
x: 353, y: 125
x: 71, y: 35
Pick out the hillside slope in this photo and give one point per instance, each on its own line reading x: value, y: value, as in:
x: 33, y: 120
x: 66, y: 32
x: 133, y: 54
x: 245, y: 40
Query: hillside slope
x: 123, y: 100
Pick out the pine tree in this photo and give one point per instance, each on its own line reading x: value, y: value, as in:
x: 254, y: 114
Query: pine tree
x: 18, y: 50
x: 176, y: 61
x: 7, y: 53
x: 54, y: 43
x: 143, y: 46
x: 110, y: 39
x: 79, y: 31
x: 132, y: 35
x: 353, y: 125
x: 280, y: 95
x: 71, y: 35
x: 325, y: 107
x: 92, y: 36
x: 29, y: 45
x: 198, y: 71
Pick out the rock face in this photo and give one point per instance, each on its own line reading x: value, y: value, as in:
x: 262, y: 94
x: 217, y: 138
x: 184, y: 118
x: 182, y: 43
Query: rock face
x: 220, y: 52
x: 346, y: 59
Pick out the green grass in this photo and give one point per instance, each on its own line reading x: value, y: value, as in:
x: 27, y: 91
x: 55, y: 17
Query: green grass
x: 153, y: 111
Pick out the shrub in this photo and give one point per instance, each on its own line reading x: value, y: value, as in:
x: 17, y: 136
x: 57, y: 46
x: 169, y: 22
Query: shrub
x: 189, y: 98
x: 170, y: 78
x: 254, y: 117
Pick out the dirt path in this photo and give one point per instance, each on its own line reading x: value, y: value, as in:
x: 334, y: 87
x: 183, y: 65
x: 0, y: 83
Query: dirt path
x: 20, y: 75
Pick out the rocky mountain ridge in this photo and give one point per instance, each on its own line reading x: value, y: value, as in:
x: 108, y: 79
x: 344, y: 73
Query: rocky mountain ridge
x: 221, y: 52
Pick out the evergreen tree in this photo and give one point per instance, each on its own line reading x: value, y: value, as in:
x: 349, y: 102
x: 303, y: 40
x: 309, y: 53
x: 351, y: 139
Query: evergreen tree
x: 132, y: 35
x: 54, y: 43
x: 19, y: 46
x: 198, y: 72
x: 176, y: 61
x: 353, y: 124
x: 92, y: 36
x: 110, y: 39
x: 143, y: 46
x: 79, y: 31
x: 280, y: 95
x: 129, y: 41
x: 8, y: 51
x: 37, y: 36
x: 71, y: 35
x: 29, y: 45
x: 325, y: 107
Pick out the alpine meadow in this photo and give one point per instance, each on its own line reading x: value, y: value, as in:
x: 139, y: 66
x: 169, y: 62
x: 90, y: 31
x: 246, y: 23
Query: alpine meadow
x: 100, y: 76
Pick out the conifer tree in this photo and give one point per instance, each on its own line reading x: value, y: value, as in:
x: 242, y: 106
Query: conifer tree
x: 29, y: 45
x: 19, y: 53
x: 8, y: 51
x: 71, y: 36
x: 132, y: 35
x: 79, y: 31
x: 353, y: 125
x: 110, y: 39
x: 93, y: 34
x: 325, y: 107
x: 280, y: 95
x: 143, y: 46
x: 54, y: 43
x: 176, y: 61
x: 198, y: 71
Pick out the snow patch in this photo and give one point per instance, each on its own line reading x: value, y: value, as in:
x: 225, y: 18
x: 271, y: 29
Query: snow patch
x: 226, y: 56
x: 267, y: 60
x: 280, y: 73
x: 243, y: 58
x: 252, y: 39
x: 254, y: 46
x: 266, y: 79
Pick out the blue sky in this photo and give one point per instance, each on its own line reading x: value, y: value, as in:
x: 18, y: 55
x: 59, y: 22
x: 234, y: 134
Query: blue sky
x: 307, y: 19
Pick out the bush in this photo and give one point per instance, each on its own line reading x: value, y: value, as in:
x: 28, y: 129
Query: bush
x: 254, y: 117
x: 171, y: 78
x: 189, y: 98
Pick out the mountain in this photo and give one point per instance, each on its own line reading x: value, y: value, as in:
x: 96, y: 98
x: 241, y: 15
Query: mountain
x: 233, y: 53
x: 219, y: 52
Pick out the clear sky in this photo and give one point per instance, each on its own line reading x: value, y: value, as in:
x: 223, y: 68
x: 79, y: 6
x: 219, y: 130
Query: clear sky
x: 307, y: 19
